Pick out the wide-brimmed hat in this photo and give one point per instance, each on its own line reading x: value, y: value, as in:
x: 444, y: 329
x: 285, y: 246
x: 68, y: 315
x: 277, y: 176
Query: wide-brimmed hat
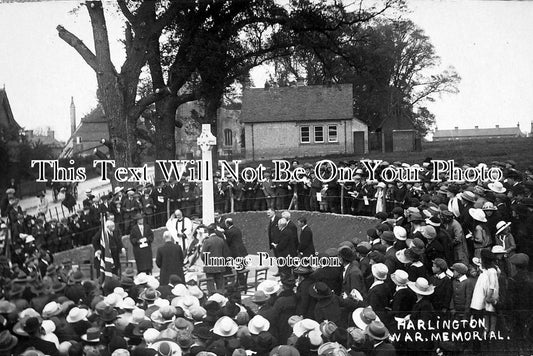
x: 7, y: 341
x: 269, y: 287
x: 258, y: 324
x: 166, y: 347
x: 364, y: 316
x: 377, y: 330
x: 180, y: 290
x: 141, y: 278
x: 51, y: 309
x: 380, y: 271
x: 195, y: 291
x: 320, y: 290
x: 259, y: 297
x: 497, y: 249
x: 401, y: 256
x: 127, y: 304
x: 400, y: 233
x: 38, y: 288
x: 400, y: 277
x: 421, y: 286
x: 428, y: 232
x: 118, y: 190
x: 92, y: 335
x: 477, y: 214
x: 187, y: 302
x: 218, y: 298
x: 502, y: 225
x: 28, y: 326
x: 150, y: 294
x: 225, y: 326
x: 108, y: 313
x: 77, y: 314
x: 497, y: 187
x: 488, y: 206
x: 469, y: 196
x: 304, y: 326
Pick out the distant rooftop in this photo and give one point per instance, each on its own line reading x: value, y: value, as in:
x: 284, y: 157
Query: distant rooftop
x: 479, y: 132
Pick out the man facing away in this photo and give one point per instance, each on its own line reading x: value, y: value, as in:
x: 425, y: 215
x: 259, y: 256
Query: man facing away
x: 169, y: 258
x: 213, y: 248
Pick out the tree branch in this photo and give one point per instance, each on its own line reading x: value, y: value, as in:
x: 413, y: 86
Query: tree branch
x: 72, y: 40
x: 126, y: 12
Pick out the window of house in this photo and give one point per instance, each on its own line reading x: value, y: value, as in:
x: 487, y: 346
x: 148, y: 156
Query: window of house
x: 304, y: 134
x: 332, y: 133
x: 319, y: 134
x: 228, y: 137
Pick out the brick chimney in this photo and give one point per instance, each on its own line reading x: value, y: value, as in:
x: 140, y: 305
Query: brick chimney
x: 497, y: 126
x: 476, y: 127
x: 50, y: 133
x: 456, y: 128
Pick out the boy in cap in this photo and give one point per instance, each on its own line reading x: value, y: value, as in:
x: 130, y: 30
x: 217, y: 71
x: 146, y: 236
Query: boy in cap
x: 443, y: 286
x: 463, y: 288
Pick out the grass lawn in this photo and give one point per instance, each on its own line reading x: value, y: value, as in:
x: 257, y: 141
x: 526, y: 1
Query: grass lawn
x: 482, y: 150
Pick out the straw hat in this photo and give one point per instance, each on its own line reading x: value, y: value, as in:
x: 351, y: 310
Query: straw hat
x: 497, y: 187
x: 377, y: 330
x: 225, y: 326
x: 218, y: 298
x: 363, y: 316
x: 421, y: 286
x: 380, y: 271
x: 497, y: 249
x: 258, y: 324
x: 502, y: 225
x: 469, y: 196
x: 304, y: 326
x: 141, y: 278
x: 269, y: 287
x: 400, y: 233
x: 51, y: 309
x: 76, y: 314
x: 92, y: 335
x: 400, y: 277
x: 477, y: 214
x: 166, y: 348
x: 180, y: 290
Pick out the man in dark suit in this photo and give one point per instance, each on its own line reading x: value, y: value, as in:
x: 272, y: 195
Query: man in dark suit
x: 115, y: 245
x: 352, y: 275
x: 273, y: 231
x: 169, y: 258
x: 214, y: 246
x: 379, y: 293
x: 141, y: 238
x: 291, y: 227
x: 285, y: 247
x: 234, y: 239
x: 306, y: 246
x: 131, y: 208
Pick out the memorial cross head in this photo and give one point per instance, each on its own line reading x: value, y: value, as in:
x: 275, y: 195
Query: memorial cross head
x: 206, y: 140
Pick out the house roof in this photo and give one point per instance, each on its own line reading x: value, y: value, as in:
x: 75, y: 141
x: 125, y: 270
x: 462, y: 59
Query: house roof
x: 302, y: 103
x: 494, y: 131
x: 6, y: 115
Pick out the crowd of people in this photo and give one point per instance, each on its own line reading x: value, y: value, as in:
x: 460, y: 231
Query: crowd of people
x: 439, y: 251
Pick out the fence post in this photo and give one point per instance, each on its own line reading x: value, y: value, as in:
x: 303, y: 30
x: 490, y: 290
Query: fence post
x: 342, y: 198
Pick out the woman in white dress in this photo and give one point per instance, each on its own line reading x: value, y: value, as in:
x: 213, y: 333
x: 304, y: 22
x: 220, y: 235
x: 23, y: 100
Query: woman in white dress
x: 486, y: 291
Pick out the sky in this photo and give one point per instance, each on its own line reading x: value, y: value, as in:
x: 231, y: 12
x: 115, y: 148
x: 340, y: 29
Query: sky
x: 490, y: 44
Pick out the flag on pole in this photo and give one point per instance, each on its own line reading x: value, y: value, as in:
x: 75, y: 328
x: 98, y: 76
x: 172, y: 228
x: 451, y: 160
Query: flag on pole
x: 106, y: 261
